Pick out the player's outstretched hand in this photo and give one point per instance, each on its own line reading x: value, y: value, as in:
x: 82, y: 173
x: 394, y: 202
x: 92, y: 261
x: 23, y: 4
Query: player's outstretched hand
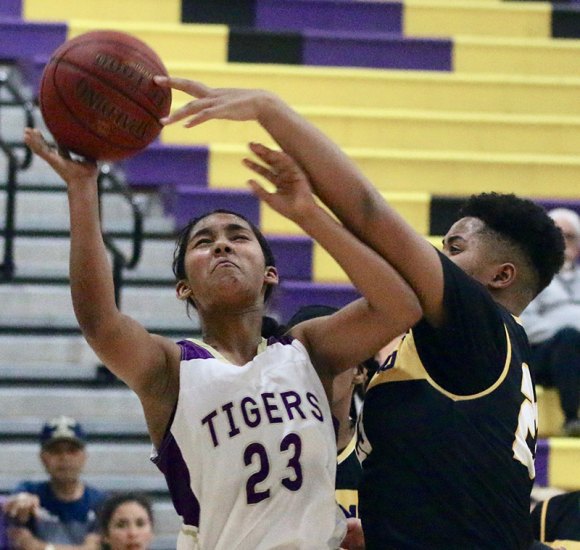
x: 213, y: 103
x: 293, y: 196
x: 71, y: 171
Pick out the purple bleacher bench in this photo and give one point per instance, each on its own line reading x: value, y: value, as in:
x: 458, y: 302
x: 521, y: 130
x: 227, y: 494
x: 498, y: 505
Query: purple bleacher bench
x: 376, y: 50
x: 25, y: 39
x: 346, y: 15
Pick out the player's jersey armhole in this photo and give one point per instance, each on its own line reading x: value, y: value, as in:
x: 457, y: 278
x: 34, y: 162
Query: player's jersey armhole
x: 487, y: 391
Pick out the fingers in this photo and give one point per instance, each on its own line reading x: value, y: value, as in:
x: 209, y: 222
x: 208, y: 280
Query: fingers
x: 282, y: 166
x: 192, y: 108
x: 259, y: 191
x: 259, y: 169
x: 191, y: 87
x: 38, y: 145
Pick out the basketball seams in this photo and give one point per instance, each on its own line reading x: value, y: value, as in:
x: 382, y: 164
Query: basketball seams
x: 110, y: 82
x: 98, y: 98
x: 84, y: 71
x: 82, y: 124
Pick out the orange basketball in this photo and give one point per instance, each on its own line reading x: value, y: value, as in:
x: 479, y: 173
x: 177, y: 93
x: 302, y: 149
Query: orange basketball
x: 98, y: 98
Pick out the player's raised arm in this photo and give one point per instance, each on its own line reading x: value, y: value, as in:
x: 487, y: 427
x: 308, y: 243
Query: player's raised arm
x: 370, y: 322
x: 125, y: 347
x: 333, y: 176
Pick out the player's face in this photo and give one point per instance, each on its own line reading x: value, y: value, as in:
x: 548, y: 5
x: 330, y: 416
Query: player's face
x: 130, y: 528
x: 64, y: 461
x: 465, y: 246
x: 225, y: 264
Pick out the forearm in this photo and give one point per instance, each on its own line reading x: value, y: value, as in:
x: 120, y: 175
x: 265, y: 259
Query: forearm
x: 91, y: 277
x: 382, y: 287
x: 339, y: 183
x: 355, y: 201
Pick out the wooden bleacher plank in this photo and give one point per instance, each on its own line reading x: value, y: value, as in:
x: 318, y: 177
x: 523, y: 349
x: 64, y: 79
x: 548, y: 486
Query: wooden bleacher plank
x: 103, y: 10
x: 453, y: 17
x: 174, y: 41
x: 407, y: 129
x: 452, y: 173
x: 506, y: 55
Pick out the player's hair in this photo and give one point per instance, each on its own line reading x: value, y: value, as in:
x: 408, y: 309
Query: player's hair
x: 113, y: 502
x: 525, y: 225
x: 183, y: 239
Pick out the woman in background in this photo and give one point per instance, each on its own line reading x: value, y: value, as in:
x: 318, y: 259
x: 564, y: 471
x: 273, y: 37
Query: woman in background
x: 126, y: 522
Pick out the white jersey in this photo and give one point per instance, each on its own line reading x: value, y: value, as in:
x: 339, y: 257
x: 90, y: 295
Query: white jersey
x: 250, y: 456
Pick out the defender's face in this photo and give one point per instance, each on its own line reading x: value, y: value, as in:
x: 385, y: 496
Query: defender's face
x: 466, y: 247
x: 224, y: 261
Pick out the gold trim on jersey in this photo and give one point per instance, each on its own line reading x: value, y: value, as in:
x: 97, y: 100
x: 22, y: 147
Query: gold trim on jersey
x: 517, y: 320
x: 543, y: 520
x: 347, y: 450
x: 217, y: 355
x: 408, y: 366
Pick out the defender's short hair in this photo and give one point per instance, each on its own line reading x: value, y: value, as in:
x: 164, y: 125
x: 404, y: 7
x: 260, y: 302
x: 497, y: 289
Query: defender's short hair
x: 525, y: 224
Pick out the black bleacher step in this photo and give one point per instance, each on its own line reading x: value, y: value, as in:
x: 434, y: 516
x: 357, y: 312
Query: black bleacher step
x: 58, y: 232
x: 60, y: 277
x: 55, y: 329
x: 27, y: 430
x: 49, y: 374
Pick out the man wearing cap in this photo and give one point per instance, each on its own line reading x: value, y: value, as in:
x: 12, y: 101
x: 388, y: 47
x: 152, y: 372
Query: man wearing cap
x: 60, y: 513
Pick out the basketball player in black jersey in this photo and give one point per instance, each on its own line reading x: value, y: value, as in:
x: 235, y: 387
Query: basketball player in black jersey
x: 558, y: 519
x: 448, y: 430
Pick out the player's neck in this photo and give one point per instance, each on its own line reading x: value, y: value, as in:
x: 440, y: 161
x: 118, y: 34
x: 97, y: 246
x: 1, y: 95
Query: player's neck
x: 235, y: 336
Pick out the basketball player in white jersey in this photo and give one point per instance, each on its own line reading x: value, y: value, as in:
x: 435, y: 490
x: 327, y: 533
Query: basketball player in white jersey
x: 241, y: 426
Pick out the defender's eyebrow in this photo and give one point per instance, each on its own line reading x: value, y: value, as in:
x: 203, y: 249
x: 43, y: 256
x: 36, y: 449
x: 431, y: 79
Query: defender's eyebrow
x: 452, y: 239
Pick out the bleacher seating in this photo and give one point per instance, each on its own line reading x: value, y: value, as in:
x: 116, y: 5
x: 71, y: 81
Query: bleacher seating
x: 434, y: 99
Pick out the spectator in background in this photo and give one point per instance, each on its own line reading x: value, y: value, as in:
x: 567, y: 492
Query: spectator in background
x: 60, y: 513
x: 556, y: 520
x: 552, y: 322
x: 126, y: 522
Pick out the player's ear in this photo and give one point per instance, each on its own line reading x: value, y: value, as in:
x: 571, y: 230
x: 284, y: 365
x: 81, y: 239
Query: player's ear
x: 504, y: 276
x: 271, y: 275
x: 183, y: 290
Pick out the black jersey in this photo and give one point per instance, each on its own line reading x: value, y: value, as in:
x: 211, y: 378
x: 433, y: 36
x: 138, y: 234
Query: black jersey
x: 558, y: 518
x: 348, y: 474
x: 448, y: 430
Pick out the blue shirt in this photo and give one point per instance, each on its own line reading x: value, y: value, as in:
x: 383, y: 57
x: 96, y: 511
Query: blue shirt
x: 62, y: 522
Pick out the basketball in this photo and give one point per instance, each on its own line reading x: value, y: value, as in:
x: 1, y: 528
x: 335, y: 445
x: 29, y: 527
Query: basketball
x: 98, y: 98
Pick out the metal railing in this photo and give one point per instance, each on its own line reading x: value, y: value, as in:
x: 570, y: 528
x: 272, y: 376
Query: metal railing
x: 109, y: 182
x: 10, y: 95
x: 19, y: 157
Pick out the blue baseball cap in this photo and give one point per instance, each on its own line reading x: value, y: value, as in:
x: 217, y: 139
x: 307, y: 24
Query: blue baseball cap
x: 62, y: 428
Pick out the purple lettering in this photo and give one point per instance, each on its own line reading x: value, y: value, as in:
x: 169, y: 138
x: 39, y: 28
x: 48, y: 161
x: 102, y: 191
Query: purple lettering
x: 316, y: 412
x: 209, y: 421
x: 292, y: 400
x: 270, y: 408
x: 234, y: 430
x: 252, y: 414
